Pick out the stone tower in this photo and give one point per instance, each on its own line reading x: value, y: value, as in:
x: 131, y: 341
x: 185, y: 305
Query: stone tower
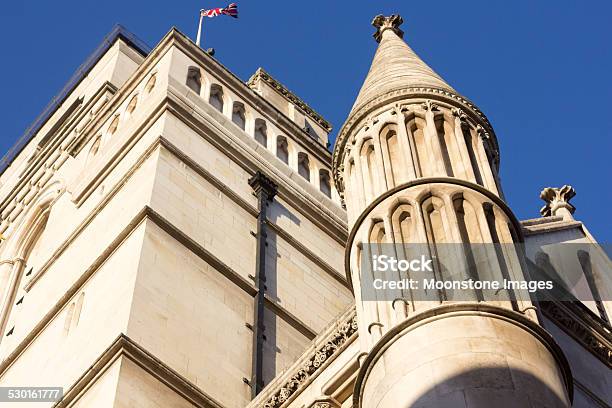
x: 417, y: 163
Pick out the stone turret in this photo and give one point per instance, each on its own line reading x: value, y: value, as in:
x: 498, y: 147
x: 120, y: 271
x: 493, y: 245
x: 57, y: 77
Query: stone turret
x: 417, y: 166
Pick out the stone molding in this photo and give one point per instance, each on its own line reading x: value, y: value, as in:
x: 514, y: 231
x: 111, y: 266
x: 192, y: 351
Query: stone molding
x: 49, y: 158
x: 326, y: 347
x: 290, y: 96
x: 468, y: 108
x: 124, y: 346
x: 592, y: 333
x: 463, y: 308
x: 147, y: 213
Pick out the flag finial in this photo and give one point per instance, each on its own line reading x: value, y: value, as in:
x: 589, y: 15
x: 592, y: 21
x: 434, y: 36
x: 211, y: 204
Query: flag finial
x: 382, y: 23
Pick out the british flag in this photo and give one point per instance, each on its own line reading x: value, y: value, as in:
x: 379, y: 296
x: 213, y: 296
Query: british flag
x: 231, y: 10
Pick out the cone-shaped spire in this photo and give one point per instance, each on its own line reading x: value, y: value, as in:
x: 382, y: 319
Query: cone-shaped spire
x: 395, y: 64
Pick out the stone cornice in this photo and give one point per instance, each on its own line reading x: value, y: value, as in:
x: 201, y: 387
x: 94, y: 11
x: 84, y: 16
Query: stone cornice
x: 361, y: 112
x: 290, y: 96
x: 326, y: 347
x: 125, y: 347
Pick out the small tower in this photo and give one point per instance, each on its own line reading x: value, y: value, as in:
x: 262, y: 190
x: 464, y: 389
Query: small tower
x: 417, y: 165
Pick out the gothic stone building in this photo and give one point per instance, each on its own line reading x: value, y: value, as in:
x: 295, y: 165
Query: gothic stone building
x: 175, y: 237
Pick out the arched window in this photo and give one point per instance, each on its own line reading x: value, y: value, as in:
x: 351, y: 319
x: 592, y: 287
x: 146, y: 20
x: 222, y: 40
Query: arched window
x: 418, y: 145
x: 370, y: 176
x: 282, y: 149
x: 132, y: 105
x: 304, y: 166
x: 112, y: 128
x: 261, y: 132
x: 32, y: 251
x: 324, y: 183
x: 194, y: 79
x: 393, y: 154
x: 216, y: 97
x: 238, y: 115
x: 151, y: 83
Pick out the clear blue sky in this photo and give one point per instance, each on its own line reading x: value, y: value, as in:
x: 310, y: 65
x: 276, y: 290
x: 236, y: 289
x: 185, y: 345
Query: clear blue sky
x: 540, y: 70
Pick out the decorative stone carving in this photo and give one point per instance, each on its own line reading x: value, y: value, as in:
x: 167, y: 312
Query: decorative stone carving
x: 313, y: 364
x: 354, y: 119
x: 264, y: 76
x: 557, y: 201
x: 383, y: 23
x: 430, y: 106
x: 325, y: 402
x: 459, y: 113
x: 584, y: 329
x: 484, y: 135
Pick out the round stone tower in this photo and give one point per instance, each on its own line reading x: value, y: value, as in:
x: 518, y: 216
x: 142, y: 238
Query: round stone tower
x: 417, y: 167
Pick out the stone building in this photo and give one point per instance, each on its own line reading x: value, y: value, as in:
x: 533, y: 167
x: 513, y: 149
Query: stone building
x: 176, y: 237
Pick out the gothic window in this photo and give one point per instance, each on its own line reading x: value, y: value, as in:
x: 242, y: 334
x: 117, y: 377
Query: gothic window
x: 471, y: 142
x: 194, y: 79
x: 132, y: 104
x: 304, y: 166
x: 112, y: 128
x: 422, y: 165
x: 238, y: 115
x: 282, y: 149
x: 324, y: 182
x: 403, y: 224
x: 216, y: 97
x: 261, y: 132
x: 151, y: 83
x: 469, y: 226
x: 433, y: 210
x: 393, y: 153
x: 32, y: 259
x: 444, y: 134
x: 368, y: 160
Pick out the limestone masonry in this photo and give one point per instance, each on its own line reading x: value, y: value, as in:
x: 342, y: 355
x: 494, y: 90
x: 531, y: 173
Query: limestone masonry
x: 175, y: 237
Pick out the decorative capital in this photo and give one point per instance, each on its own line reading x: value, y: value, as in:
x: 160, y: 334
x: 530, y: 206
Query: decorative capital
x: 430, y: 106
x: 262, y: 185
x: 484, y: 135
x: 557, y: 201
x: 383, y: 23
x: 459, y: 114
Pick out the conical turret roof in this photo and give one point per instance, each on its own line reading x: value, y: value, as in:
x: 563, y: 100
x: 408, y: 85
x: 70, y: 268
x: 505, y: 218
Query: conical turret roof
x: 395, y: 64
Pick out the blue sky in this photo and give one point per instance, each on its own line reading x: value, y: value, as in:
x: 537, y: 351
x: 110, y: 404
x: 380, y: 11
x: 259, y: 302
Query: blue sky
x: 540, y: 70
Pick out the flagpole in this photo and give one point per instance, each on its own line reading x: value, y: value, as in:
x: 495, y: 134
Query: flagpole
x: 199, y: 30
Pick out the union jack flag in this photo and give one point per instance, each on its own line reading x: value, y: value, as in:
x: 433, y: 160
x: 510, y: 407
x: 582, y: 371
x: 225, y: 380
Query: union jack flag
x: 231, y: 10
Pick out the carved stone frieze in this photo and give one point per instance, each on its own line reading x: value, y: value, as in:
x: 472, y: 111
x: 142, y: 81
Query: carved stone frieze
x: 312, y: 365
x: 588, y: 332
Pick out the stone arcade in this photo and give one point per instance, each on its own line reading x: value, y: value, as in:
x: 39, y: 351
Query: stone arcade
x: 176, y: 237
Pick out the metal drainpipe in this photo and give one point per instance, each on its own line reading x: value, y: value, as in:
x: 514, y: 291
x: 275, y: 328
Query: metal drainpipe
x: 265, y: 190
